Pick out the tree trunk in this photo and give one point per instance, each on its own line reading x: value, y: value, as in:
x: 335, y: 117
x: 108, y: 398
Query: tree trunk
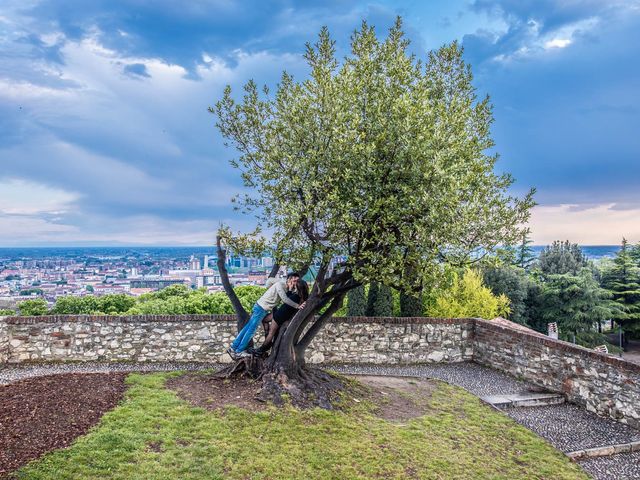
x: 284, y: 373
x: 241, y: 313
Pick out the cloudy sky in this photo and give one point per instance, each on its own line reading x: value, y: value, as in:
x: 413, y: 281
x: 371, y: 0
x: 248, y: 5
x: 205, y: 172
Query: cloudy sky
x: 105, y: 137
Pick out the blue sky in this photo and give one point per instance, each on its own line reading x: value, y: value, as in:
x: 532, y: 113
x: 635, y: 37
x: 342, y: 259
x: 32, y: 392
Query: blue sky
x: 105, y: 137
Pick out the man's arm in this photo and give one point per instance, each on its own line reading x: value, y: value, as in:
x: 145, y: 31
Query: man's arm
x: 282, y: 293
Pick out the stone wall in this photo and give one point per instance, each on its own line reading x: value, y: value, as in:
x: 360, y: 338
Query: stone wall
x: 601, y: 383
x: 144, y: 338
x: 204, y: 338
x: 393, y: 341
x: 4, y: 341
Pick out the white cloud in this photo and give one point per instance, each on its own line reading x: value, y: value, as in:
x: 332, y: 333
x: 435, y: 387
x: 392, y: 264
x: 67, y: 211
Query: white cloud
x: 594, y: 225
x: 19, y: 230
x: 557, y: 43
x: 533, y: 42
x: 21, y: 197
x: 24, y: 91
x: 133, y: 230
x: 103, y: 142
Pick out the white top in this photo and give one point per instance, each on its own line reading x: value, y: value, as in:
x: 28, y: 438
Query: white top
x: 274, y: 294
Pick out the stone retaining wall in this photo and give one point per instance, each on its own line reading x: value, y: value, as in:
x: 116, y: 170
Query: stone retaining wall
x: 205, y: 338
x: 599, y: 382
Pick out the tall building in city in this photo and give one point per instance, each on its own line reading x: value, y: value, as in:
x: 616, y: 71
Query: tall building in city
x: 205, y: 265
x: 194, y: 263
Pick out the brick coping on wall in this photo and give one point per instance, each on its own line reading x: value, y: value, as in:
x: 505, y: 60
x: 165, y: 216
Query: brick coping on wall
x: 532, y: 337
x: 220, y: 318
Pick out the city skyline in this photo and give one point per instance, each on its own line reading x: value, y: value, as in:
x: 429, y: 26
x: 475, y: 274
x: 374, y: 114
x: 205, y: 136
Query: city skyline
x: 105, y: 138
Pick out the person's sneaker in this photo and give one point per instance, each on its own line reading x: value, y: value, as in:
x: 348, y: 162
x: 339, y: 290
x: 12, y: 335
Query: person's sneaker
x: 243, y: 354
x: 233, y: 354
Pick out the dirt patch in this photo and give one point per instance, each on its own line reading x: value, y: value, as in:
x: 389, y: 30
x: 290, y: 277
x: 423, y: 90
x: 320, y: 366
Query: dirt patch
x: 399, y: 398
x: 213, y: 393
x: 41, y: 414
x: 395, y: 398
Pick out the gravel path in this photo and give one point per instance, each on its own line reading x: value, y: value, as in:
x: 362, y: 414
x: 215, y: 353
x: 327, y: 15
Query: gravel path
x: 479, y: 380
x: 624, y: 466
x: 570, y: 428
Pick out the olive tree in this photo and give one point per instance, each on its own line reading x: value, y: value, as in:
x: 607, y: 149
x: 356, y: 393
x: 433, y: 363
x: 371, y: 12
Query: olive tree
x: 380, y: 160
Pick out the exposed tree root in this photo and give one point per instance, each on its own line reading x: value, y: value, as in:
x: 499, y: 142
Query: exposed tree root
x: 245, y: 366
x: 306, y: 387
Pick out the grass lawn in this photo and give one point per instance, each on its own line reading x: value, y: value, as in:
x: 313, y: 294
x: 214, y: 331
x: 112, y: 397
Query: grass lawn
x: 153, y: 434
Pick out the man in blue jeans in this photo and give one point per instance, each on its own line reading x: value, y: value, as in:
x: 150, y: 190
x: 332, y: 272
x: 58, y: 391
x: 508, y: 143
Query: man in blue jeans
x: 276, y: 293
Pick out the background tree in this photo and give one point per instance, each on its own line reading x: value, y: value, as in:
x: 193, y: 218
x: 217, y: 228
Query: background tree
x: 372, y: 299
x: 357, y: 302
x: 383, y: 305
x: 577, y: 304
x: 534, y: 304
x: 468, y: 297
x: 560, y: 258
x: 380, y: 160
x: 113, y: 304
x: 525, y: 256
x: 622, y: 279
x: 6, y: 312
x: 634, y: 253
x: 410, y: 305
x: 34, y: 307
x: 512, y: 282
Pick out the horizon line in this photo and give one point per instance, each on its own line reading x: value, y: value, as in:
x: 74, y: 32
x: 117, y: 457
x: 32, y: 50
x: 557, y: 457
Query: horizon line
x: 214, y: 246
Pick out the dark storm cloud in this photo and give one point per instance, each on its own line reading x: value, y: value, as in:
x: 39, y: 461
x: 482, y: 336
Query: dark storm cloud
x: 565, y: 116
x: 105, y: 100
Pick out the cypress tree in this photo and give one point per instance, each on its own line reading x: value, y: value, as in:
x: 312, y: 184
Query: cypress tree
x: 410, y: 306
x: 372, y: 297
x: 525, y: 256
x: 383, y: 306
x: 357, y: 302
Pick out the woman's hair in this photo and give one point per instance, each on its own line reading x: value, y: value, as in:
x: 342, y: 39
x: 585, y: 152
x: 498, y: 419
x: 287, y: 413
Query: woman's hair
x: 303, y: 289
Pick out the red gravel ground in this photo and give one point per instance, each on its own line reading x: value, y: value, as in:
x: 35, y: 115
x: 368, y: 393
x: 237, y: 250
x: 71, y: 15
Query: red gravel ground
x: 41, y: 414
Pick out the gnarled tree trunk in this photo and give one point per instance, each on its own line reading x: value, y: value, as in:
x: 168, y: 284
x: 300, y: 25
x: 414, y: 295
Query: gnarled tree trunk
x: 285, y: 371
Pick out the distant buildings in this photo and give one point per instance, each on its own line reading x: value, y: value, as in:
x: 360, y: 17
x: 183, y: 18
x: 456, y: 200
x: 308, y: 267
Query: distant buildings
x: 156, y: 283
x: 131, y: 272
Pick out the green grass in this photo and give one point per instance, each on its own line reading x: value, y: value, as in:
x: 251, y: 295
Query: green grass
x: 155, y: 435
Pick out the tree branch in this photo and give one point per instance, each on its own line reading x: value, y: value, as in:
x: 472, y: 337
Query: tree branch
x: 241, y: 313
x: 304, y: 342
x: 274, y: 269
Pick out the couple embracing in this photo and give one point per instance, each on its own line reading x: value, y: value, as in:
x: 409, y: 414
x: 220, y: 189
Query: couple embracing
x: 276, y: 306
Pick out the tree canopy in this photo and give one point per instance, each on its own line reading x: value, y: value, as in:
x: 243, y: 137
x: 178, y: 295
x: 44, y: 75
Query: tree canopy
x: 576, y: 303
x: 622, y: 279
x: 562, y: 257
x: 468, y: 297
x: 381, y: 159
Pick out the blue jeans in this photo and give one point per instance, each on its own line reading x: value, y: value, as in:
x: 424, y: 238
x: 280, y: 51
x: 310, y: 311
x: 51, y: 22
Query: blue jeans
x: 249, y: 330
